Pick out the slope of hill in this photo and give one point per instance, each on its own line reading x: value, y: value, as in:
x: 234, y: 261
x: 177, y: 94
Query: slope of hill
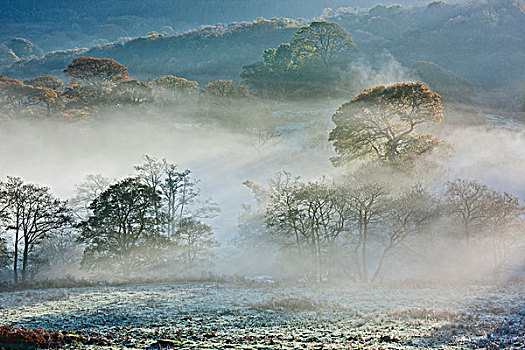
x: 63, y: 24
x: 209, y: 53
x: 481, y: 43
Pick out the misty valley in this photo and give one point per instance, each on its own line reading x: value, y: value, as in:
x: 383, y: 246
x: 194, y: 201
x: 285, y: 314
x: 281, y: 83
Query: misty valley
x: 343, y: 174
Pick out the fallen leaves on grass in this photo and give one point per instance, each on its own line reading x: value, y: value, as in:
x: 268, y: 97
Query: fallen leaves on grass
x: 10, y: 335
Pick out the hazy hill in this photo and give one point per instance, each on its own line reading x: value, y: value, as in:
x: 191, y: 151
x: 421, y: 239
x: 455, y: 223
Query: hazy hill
x: 63, y: 24
x: 210, y: 53
x: 479, y: 43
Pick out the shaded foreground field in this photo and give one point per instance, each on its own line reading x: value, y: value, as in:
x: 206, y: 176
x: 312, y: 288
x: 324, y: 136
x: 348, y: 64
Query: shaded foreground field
x: 226, y: 315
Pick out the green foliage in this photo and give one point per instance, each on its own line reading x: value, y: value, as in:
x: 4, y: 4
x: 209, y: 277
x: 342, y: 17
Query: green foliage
x: 323, y: 43
x: 310, y: 65
x: 122, y: 228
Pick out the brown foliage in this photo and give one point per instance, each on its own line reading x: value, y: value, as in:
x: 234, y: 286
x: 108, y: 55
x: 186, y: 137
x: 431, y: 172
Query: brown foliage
x: 170, y: 82
x: 94, y: 71
x: 227, y: 88
x: 16, y: 96
x: 381, y: 123
x: 45, y: 81
x: 14, y: 336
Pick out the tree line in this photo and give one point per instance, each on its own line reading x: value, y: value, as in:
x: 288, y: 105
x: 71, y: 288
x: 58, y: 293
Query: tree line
x: 380, y: 208
x: 313, y: 63
x: 355, y: 228
x: 155, y: 218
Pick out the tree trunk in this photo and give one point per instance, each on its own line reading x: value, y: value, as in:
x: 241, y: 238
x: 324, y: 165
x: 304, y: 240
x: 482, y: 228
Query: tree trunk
x: 15, y: 259
x: 363, y: 252
x: 25, y: 260
x: 381, y: 262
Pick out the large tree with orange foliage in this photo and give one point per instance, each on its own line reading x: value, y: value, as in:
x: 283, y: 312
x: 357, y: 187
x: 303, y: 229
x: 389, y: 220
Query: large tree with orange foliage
x: 94, y: 83
x: 381, y: 123
x: 96, y: 71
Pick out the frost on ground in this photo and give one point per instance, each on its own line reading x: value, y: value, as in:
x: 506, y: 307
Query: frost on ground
x: 266, y: 316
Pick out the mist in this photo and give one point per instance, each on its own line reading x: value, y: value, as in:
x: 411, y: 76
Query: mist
x: 262, y: 174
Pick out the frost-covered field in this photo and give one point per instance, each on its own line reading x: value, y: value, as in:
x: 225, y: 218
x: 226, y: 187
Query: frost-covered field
x: 225, y: 315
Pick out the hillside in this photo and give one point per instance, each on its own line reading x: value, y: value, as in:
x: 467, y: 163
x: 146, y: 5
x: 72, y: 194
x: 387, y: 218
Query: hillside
x: 479, y: 44
x: 63, y: 24
x: 212, y: 52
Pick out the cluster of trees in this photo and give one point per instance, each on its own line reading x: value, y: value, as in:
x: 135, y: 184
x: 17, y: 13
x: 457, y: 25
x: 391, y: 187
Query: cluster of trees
x: 314, y: 63
x: 352, y: 226
x: 205, y: 54
x: 61, y: 24
x: 101, y: 85
x: 350, y: 229
x: 153, y: 219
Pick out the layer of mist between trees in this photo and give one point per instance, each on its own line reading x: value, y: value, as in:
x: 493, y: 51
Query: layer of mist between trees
x: 375, y: 205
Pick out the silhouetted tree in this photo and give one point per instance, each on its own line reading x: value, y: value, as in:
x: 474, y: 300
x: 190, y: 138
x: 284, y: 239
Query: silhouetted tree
x: 32, y: 215
x: 122, y: 227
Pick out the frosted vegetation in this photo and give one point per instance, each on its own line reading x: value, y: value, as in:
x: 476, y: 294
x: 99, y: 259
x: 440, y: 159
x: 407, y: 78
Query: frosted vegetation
x: 255, y: 316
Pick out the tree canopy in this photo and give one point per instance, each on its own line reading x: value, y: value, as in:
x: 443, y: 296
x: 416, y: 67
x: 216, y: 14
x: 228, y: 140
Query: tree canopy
x: 306, y: 65
x: 121, y: 227
x: 381, y: 123
x: 96, y: 71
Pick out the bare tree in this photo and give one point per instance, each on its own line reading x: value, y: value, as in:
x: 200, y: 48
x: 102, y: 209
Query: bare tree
x: 467, y: 201
x: 407, y: 215
x: 196, y: 242
x: 33, y: 214
x: 86, y: 191
x: 505, y: 219
x: 287, y: 217
x: 368, y: 201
